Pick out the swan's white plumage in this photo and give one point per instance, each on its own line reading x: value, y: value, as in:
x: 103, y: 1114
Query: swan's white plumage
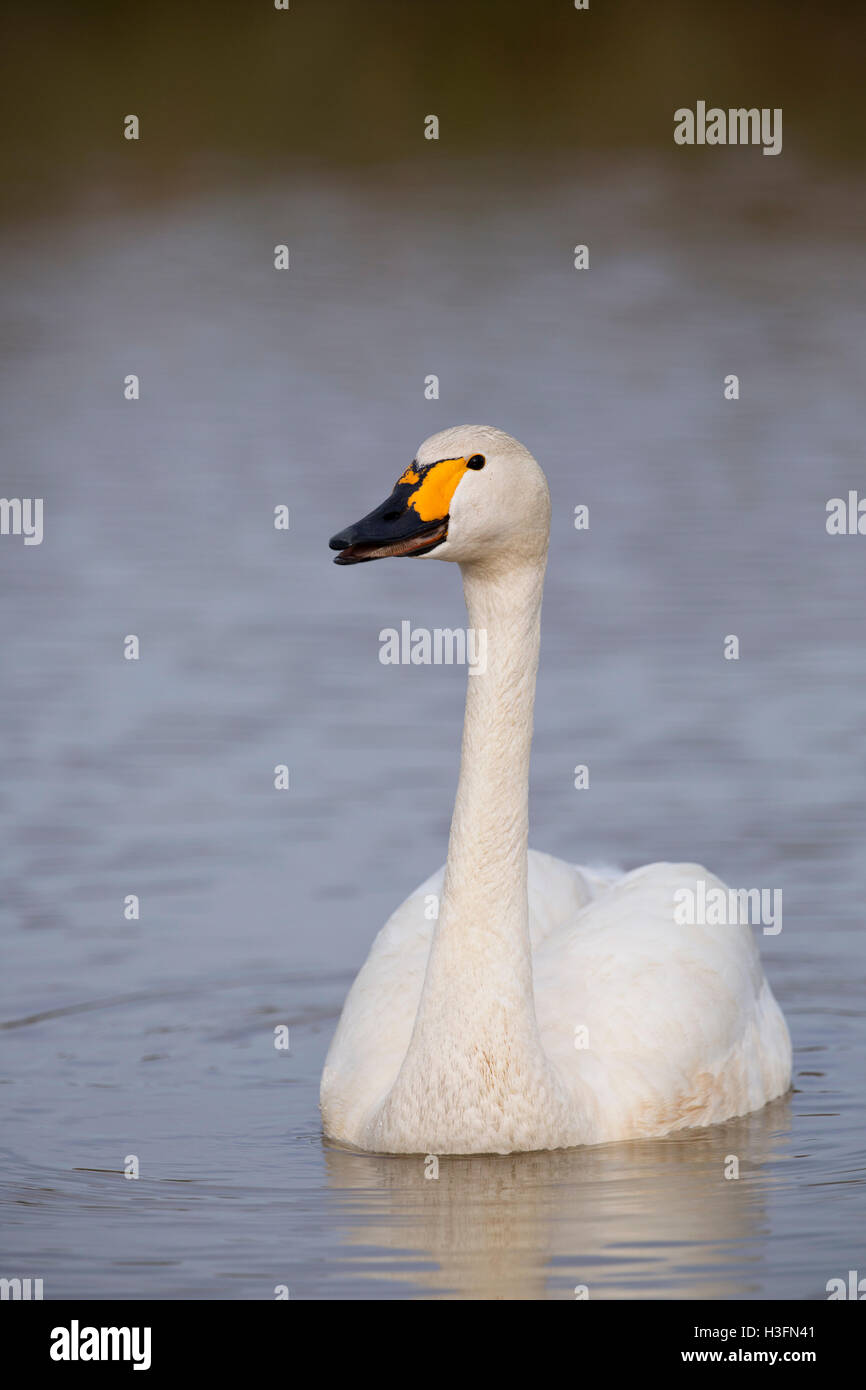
x: 682, y: 1027
x: 458, y: 1035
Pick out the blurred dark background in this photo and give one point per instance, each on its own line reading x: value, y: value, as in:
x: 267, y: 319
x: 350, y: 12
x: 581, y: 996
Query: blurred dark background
x: 338, y: 83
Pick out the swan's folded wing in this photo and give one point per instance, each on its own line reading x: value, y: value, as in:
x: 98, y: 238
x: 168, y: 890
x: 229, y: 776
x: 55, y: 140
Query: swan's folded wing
x: 376, y: 1024
x: 656, y: 1024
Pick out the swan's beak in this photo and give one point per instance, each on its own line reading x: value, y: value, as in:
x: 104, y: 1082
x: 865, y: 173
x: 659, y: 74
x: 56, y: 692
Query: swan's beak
x: 413, y: 520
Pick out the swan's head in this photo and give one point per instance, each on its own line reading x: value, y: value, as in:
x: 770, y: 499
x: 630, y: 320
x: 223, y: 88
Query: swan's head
x: 470, y: 494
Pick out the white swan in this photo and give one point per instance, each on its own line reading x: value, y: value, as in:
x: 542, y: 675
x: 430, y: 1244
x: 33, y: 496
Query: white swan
x: 459, y: 1035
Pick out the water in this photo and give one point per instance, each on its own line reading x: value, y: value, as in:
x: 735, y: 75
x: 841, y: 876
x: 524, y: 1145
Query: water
x: 155, y: 1038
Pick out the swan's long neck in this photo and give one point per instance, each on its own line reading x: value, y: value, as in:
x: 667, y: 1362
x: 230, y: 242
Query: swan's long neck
x: 481, y: 948
x: 475, y: 1076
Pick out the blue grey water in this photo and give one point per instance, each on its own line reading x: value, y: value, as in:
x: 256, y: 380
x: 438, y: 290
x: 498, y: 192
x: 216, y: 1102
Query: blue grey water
x: 155, y: 1037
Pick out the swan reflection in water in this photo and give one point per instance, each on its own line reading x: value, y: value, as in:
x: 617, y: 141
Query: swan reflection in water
x: 654, y: 1218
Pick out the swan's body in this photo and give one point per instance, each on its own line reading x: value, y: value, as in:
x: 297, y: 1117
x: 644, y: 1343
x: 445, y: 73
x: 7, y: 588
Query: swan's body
x: 545, y: 1006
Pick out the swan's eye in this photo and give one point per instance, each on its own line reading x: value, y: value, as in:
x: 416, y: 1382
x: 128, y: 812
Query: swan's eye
x: 476, y: 461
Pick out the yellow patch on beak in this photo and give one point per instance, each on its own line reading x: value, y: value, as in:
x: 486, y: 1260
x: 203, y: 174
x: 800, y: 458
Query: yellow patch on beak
x: 410, y: 476
x: 432, y: 500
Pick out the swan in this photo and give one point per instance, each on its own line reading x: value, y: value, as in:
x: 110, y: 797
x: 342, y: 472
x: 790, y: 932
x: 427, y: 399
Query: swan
x: 546, y: 1006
